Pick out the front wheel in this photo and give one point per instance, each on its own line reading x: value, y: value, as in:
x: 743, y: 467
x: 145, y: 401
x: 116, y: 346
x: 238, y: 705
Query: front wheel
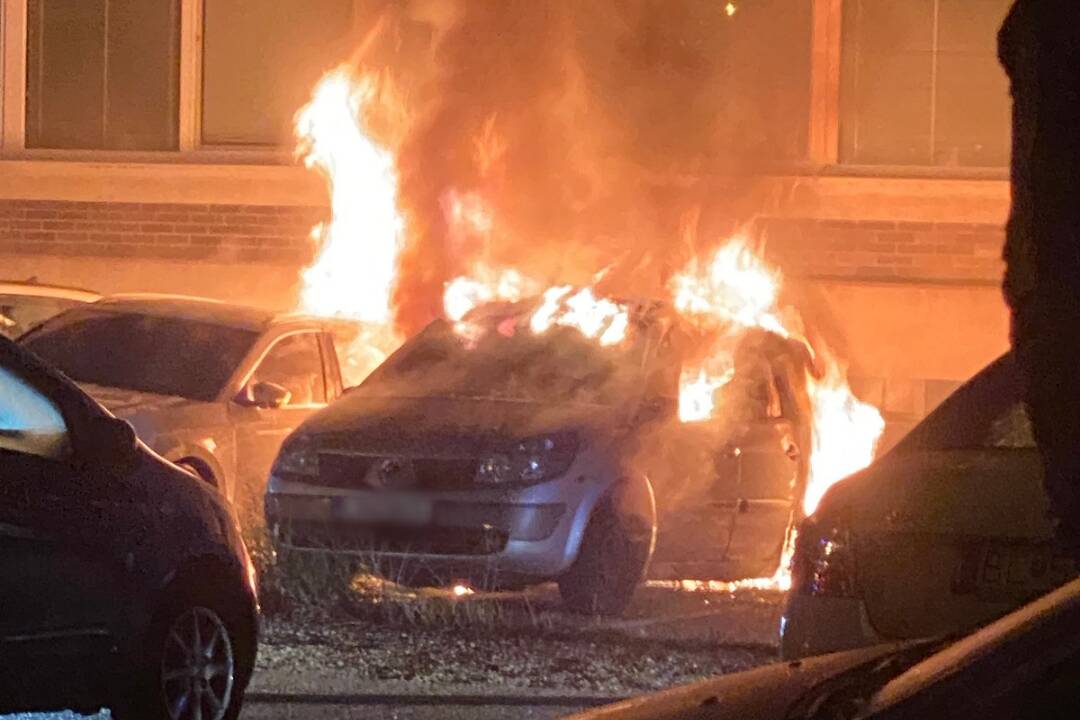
x: 610, y: 565
x: 192, y: 667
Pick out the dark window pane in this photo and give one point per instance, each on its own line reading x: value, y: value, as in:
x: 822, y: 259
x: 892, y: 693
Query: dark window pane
x: 261, y: 61
x: 921, y: 84
x: 102, y: 74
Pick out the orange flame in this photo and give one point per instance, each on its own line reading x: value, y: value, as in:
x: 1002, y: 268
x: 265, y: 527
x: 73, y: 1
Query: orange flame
x: 354, y: 272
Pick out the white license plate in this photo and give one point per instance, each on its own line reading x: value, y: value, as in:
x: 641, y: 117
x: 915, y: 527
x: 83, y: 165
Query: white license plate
x: 382, y: 508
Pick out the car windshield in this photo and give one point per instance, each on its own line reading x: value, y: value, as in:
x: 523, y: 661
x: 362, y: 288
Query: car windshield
x: 142, y: 352
x: 507, y: 362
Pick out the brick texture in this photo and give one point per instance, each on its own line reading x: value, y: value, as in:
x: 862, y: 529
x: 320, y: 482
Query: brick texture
x: 222, y: 233
x: 885, y: 250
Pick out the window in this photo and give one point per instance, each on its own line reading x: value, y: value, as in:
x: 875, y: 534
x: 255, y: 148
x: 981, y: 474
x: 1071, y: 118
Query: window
x: 921, y: 85
x: 102, y: 74
x: 29, y: 422
x: 260, y: 62
x: 295, y: 363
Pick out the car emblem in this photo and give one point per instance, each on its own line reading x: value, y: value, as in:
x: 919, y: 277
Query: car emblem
x: 391, y: 473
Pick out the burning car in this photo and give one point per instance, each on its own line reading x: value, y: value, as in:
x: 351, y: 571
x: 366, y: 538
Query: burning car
x: 487, y: 452
x: 24, y: 305
x: 211, y: 386
x: 949, y: 530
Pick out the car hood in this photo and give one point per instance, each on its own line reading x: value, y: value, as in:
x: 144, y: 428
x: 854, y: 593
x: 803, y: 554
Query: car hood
x: 443, y: 425
x: 764, y: 693
x: 124, y: 403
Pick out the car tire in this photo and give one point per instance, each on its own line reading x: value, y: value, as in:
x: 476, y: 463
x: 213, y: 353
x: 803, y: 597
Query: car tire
x: 197, y: 650
x: 609, y: 567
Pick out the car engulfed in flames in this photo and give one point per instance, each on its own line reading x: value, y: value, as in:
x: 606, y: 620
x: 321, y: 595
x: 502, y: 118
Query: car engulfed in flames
x: 722, y: 410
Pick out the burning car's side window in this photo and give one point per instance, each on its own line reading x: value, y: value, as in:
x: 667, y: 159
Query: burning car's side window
x: 29, y: 422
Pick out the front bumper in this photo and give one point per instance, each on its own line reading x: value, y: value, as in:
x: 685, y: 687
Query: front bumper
x: 815, y: 625
x: 519, y: 534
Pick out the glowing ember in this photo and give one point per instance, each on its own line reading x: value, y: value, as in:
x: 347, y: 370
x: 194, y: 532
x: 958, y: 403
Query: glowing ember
x: 462, y: 590
x: 731, y: 8
x: 354, y: 273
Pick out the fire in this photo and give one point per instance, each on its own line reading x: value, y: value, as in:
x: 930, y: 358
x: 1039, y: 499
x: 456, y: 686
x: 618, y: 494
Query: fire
x: 731, y: 291
x: 736, y: 290
x: 846, y: 431
x: 354, y: 272
x: 600, y: 319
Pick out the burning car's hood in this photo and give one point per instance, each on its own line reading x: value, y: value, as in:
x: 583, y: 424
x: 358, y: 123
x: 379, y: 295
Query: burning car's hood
x: 125, y: 403
x: 441, y: 425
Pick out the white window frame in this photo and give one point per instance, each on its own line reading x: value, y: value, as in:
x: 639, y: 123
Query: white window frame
x: 13, y: 46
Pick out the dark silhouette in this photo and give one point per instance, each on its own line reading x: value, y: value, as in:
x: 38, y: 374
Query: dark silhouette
x: 1039, y: 45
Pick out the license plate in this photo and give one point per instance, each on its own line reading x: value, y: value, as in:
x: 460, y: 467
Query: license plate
x: 1004, y: 570
x: 382, y: 509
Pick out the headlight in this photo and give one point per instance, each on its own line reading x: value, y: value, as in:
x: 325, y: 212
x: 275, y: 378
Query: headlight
x: 528, y: 461
x: 297, y: 457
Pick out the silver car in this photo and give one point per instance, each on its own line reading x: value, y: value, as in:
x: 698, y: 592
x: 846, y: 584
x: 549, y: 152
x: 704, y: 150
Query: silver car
x: 527, y: 458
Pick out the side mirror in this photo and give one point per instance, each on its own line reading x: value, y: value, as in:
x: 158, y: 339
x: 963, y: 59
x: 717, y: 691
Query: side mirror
x: 107, y: 442
x: 266, y: 395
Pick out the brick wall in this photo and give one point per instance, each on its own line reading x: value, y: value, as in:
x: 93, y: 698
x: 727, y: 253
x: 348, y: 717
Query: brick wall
x: 886, y: 250
x: 269, y: 235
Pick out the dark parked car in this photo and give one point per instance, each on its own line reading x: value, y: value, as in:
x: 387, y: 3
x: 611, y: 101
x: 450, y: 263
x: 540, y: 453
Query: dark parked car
x: 123, y: 580
x: 949, y: 529
x: 519, y: 458
x: 1024, y: 665
x: 211, y: 386
x: 24, y: 305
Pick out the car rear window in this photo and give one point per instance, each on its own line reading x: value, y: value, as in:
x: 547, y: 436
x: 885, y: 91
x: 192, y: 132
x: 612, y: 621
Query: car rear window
x: 146, y: 353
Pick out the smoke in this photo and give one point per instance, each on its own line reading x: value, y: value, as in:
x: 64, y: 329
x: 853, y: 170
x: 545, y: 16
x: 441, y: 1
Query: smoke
x: 595, y: 135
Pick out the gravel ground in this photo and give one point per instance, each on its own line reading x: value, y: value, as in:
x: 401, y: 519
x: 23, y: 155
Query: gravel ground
x: 606, y: 664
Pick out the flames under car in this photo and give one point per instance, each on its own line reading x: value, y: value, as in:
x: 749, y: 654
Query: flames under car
x: 506, y: 457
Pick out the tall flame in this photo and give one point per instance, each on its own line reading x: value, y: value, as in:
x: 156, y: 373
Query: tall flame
x: 354, y: 272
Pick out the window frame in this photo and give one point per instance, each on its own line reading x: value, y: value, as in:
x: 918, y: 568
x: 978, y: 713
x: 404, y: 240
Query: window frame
x: 190, y: 148
x: 264, y: 352
x: 823, y: 154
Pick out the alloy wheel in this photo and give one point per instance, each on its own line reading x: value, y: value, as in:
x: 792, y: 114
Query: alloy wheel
x: 198, y: 666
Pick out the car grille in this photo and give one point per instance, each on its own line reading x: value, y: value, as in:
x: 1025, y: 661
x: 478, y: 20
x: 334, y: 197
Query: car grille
x: 349, y: 471
x: 347, y: 537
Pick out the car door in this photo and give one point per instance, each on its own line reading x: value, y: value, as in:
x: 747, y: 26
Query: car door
x: 59, y: 580
x: 768, y: 458
x: 292, y: 362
